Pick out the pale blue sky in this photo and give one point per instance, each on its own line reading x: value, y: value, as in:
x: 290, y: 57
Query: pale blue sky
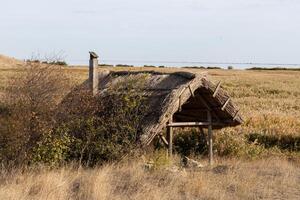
x: 153, y: 30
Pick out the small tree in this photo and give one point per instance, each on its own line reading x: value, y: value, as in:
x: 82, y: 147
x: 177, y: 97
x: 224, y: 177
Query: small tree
x: 30, y: 101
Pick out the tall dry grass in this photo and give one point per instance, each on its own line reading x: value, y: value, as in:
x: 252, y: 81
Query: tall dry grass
x: 230, y: 179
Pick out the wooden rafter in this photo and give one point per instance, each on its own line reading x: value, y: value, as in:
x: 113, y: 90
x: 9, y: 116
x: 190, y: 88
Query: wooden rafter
x: 236, y: 115
x: 164, y: 140
x: 192, y: 93
x: 225, y: 104
x: 217, y: 89
x: 180, y: 104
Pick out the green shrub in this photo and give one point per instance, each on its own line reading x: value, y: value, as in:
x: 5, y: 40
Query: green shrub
x: 53, y: 149
x: 160, y: 159
x: 27, y: 111
x: 58, y: 62
x: 284, y: 142
x: 226, y: 144
x: 122, y: 65
x: 105, y: 127
x: 190, y: 142
x: 229, y: 144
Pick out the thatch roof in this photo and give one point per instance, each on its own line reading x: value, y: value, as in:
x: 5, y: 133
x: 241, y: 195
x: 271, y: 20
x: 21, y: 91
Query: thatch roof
x: 183, y: 95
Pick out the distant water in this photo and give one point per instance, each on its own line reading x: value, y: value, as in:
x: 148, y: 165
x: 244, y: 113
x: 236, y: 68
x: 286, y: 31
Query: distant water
x: 189, y: 64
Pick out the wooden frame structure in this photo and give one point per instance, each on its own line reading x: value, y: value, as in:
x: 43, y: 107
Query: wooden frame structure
x: 174, y: 99
x: 208, y: 124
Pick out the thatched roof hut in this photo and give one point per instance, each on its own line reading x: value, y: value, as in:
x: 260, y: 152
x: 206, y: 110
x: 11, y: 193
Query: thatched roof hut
x: 177, y: 99
x: 183, y: 97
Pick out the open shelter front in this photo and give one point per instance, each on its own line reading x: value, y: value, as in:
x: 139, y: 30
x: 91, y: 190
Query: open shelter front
x: 173, y: 99
x: 179, y: 99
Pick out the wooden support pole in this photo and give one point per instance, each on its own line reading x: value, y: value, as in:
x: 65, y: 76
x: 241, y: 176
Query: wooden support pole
x: 164, y: 140
x: 180, y: 106
x: 170, y: 138
x: 210, y: 138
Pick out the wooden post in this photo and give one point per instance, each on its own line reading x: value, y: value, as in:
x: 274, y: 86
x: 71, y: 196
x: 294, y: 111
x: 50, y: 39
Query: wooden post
x: 210, y: 138
x: 170, y: 138
x: 93, y: 74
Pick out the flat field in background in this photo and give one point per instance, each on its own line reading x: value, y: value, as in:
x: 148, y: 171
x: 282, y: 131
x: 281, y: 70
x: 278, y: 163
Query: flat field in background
x: 270, y: 105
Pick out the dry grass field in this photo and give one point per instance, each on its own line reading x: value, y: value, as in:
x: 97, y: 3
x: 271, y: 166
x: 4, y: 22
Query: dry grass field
x: 270, y: 104
x: 230, y: 179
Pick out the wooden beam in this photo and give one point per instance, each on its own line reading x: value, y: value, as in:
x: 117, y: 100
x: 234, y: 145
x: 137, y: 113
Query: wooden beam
x: 180, y: 106
x: 170, y: 138
x: 236, y: 114
x: 217, y: 89
x: 192, y: 124
x: 210, y: 138
x: 164, y: 140
x: 192, y: 93
x: 225, y: 104
x: 198, y: 109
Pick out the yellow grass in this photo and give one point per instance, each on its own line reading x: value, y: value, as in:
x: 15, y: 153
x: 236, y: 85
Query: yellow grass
x: 231, y: 179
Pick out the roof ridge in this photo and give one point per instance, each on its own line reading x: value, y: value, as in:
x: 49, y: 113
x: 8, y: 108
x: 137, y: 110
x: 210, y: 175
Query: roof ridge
x: 185, y: 74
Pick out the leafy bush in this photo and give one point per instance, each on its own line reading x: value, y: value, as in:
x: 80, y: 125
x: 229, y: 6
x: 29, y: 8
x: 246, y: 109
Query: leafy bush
x: 158, y: 160
x: 58, y: 62
x: 84, y: 128
x: 190, y: 142
x: 230, y: 144
x: 122, y: 65
x: 226, y: 143
x: 105, y: 127
x: 284, y: 142
x: 53, y: 149
x: 28, y: 110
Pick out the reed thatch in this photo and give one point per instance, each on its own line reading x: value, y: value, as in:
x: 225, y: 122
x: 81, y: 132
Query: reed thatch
x: 185, y: 96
